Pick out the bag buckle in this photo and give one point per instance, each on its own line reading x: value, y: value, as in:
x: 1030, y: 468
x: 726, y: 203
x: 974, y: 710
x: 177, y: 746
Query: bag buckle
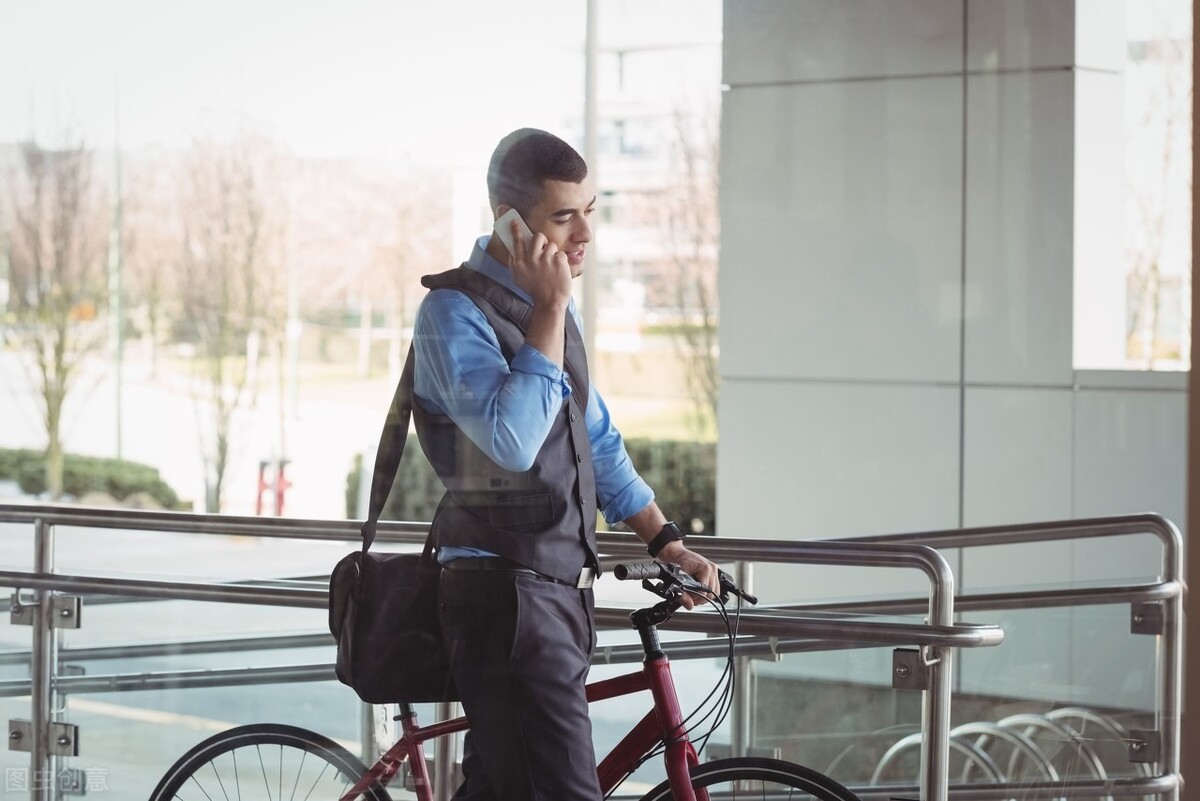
x: 587, y: 577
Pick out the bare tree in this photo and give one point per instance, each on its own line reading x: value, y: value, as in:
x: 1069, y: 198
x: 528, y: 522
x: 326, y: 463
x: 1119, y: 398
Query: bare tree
x: 227, y: 285
x: 360, y: 238
x: 692, y: 223
x: 152, y: 254
x: 57, y: 280
x: 417, y: 243
x: 1159, y: 145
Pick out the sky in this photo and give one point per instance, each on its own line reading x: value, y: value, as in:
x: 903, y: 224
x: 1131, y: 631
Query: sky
x: 374, y: 78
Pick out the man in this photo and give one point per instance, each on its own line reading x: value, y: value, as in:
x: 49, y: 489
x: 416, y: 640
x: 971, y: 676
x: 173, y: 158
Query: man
x: 525, y: 447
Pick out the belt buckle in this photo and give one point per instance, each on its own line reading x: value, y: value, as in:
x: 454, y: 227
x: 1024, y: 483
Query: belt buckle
x: 587, y: 577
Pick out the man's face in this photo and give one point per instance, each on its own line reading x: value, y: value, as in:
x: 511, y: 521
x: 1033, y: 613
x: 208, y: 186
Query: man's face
x: 563, y: 217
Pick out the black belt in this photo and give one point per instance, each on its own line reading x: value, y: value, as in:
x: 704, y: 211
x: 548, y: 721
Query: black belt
x: 501, y: 565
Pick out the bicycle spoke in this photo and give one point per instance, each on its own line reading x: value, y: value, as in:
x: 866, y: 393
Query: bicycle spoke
x: 200, y: 787
x: 264, y: 762
x: 299, y: 770
x: 317, y: 781
x: 262, y: 767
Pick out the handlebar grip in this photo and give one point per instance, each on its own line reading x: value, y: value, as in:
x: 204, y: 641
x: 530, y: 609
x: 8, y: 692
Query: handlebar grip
x: 638, y: 570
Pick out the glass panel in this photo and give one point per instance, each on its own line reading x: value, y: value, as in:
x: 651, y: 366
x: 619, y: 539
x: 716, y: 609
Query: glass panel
x: 15, y: 644
x: 138, y: 715
x: 1073, y: 681
x: 835, y: 712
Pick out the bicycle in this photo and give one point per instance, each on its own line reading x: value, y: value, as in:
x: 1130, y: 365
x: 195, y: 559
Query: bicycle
x: 286, y: 762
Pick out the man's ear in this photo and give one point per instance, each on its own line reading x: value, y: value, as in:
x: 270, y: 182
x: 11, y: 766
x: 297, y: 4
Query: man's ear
x: 501, y: 210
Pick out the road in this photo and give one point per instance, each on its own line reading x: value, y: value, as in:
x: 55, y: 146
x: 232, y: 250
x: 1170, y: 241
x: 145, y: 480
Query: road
x: 162, y: 424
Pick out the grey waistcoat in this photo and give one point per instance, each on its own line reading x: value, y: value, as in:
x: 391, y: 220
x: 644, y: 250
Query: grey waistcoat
x: 545, y: 517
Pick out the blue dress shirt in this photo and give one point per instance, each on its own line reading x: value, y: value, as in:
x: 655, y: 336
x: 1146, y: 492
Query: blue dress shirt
x: 507, y: 410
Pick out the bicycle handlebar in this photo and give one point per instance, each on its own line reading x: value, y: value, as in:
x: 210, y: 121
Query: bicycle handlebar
x: 637, y: 571
x: 674, y: 579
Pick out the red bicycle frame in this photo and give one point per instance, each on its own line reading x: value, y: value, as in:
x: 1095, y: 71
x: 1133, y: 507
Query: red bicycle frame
x: 663, y: 723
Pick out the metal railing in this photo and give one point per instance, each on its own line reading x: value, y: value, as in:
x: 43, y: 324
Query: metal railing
x: 768, y: 633
x: 1164, y: 595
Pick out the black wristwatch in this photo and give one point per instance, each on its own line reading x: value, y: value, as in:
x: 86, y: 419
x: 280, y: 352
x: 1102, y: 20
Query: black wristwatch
x: 668, y: 533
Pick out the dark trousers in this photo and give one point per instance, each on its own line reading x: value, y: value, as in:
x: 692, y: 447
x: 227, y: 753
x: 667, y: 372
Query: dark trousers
x: 520, y: 647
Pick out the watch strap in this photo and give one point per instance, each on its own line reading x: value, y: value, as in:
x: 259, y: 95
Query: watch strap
x: 668, y: 533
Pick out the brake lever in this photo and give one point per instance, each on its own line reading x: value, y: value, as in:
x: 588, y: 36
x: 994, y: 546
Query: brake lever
x: 727, y: 586
x: 682, y: 579
x: 662, y: 589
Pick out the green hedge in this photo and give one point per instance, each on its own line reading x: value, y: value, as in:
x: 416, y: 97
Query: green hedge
x: 684, y: 478
x: 682, y: 474
x: 83, y: 474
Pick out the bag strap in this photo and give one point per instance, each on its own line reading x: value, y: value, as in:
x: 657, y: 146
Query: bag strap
x: 387, y: 456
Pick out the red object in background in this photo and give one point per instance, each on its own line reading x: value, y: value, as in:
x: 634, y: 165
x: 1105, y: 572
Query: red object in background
x: 281, y: 487
x: 278, y: 488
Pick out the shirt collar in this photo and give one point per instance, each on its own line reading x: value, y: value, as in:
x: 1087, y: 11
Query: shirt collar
x: 482, y: 261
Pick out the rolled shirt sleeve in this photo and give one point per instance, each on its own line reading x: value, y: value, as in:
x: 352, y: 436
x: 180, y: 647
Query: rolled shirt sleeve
x: 620, y: 490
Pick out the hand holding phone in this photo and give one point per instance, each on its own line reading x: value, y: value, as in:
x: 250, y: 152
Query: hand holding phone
x: 545, y: 275
x: 503, y: 229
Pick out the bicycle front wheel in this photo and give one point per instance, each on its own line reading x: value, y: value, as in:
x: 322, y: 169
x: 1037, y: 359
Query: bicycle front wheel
x: 264, y: 762
x: 759, y: 779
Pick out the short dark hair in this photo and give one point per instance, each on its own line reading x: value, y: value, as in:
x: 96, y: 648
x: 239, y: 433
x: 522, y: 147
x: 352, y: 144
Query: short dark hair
x: 523, y: 160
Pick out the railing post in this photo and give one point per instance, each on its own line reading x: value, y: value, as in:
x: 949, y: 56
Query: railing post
x: 741, y: 721
x: 375, y: 730
x: 41, y: 670
x: 444, y: 752
x: 935, y: 713
x: 1170, y: 655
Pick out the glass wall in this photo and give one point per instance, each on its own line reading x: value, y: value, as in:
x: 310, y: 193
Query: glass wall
x: 247, y: 197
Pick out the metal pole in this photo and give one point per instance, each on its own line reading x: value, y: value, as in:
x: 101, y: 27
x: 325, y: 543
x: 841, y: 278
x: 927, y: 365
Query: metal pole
x: 742, y: 721
x: 444, y: 752
x: 366, y: 732
x: 376, y: 730
x: 935, y: 713
x: 590, y: 57
x: 41, y: 669
x: 1170, y: 655
x: 116, y: 311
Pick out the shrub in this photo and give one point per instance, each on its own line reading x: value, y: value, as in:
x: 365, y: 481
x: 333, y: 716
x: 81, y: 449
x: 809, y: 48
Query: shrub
x: 682, y: 474
x: 82, y: 474
x: 415, y: 493
x: 354, y: 481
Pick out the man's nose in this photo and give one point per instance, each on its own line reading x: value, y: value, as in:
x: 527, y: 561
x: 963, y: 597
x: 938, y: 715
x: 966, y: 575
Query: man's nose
x: 583, y: 232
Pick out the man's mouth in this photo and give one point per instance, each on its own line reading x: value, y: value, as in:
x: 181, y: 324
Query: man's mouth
x: 575, y: 256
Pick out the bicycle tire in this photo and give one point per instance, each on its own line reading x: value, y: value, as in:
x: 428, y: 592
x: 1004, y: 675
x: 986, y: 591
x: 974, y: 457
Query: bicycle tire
x: 276, y: 765
x: 758, y: 778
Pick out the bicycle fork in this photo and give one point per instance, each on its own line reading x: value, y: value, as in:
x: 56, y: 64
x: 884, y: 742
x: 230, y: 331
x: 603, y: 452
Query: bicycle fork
x: 681, y: 755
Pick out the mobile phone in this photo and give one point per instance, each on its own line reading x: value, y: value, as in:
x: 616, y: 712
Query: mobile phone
x: 503, y: 229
